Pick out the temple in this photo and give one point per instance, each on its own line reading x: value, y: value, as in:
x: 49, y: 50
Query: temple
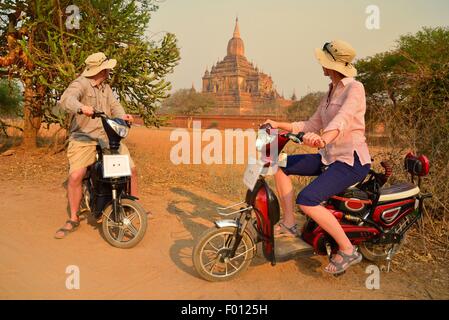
x: 236, y: 84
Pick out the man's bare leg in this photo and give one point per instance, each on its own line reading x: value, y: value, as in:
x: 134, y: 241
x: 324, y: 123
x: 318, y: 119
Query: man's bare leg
x: 74, y: 194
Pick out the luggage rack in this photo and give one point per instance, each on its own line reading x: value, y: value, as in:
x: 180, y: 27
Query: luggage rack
x: 230, y: 210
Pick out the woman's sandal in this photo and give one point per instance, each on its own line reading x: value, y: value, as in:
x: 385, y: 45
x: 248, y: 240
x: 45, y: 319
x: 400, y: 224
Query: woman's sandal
x: 284, y: 231
x: 74, y: 224
x: 347, y: 261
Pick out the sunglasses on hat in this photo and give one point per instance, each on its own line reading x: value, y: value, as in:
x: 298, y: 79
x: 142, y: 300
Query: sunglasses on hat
x: 326, y: 48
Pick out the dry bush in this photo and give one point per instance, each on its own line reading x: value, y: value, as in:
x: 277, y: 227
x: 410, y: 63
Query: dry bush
x: 408, y: 91
x: 423, y: 138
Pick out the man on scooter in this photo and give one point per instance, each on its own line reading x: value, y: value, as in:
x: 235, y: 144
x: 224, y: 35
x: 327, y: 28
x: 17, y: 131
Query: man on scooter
x: 86, y: 94
x: 343, y: 152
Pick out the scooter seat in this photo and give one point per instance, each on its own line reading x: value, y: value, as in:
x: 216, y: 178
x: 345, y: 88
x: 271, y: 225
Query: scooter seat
x: 401, y: 190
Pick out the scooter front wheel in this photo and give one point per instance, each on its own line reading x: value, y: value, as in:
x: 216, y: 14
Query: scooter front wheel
x: 129, y: 228
x: 212, y: 255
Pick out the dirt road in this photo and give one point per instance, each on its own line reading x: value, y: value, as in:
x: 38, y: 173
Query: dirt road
x: 33, y: 264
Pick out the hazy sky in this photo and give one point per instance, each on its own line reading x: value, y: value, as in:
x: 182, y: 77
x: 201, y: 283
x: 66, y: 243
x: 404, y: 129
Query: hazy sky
x: 280, y: 35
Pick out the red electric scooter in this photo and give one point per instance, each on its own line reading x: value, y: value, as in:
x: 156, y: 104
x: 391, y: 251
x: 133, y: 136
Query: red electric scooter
x: 374, y: 217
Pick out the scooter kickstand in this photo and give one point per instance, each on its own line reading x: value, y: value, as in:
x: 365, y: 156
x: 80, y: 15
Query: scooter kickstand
x: 388, y: 264
x: 389, y: 258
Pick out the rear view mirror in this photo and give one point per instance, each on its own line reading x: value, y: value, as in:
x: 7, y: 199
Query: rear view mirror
x: 418, y: 166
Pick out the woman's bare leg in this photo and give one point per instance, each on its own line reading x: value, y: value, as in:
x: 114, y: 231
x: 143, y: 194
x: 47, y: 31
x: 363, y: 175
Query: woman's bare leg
x: 329, y: 223
x: 284, y: 188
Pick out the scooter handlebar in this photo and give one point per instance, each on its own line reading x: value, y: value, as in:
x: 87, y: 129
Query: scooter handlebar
x: 96, y: 114
x: 265, y: 126
x: 297, y: 138
x: 99, y: 114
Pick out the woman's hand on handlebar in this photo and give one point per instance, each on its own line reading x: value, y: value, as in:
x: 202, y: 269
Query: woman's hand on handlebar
x: 272, y: 123
x: 313, y: 140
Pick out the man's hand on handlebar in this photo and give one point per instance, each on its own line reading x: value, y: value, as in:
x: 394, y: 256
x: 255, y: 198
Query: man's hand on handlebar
x: 129, y: 118
x: 86, y: 110
x: 313, y: 140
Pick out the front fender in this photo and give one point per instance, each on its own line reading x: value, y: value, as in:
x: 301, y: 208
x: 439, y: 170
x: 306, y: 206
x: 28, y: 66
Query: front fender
x: 226, y: 223
x: 236, y: 224
x: 128, y: 196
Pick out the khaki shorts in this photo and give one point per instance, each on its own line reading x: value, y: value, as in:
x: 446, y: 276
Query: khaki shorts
x: 81, y: 154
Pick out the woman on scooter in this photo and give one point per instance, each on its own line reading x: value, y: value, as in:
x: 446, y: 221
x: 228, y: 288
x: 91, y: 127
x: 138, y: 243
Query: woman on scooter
x: 337, y: 128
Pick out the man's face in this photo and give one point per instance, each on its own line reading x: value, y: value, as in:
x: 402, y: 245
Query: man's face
x: 104, y: 74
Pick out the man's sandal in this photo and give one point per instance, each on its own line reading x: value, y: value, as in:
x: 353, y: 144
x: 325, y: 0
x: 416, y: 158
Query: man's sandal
x: 347, y: 261
x: 74, y: 224
x: 284, y: 231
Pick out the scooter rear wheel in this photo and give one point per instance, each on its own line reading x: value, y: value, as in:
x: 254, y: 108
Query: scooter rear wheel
x: 131, y: 228
x: 379, y: 252
x: 211, y: 254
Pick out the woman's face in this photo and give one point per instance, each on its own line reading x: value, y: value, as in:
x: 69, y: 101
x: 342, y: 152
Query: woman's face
x: 326, y: 72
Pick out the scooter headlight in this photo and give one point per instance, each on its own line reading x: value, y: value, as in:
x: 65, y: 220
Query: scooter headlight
x: 263, y: 138
x: 119, y: 126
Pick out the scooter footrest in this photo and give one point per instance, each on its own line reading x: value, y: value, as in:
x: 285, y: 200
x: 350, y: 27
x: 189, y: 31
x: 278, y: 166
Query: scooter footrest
x: 287, y: 248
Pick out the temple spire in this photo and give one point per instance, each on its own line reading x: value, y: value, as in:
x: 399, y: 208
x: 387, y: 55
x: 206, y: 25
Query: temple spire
x: 236, y: 29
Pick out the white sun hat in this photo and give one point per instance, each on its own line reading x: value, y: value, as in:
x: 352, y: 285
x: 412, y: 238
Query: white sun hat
x: 337, y: 55
x: 97, y: 62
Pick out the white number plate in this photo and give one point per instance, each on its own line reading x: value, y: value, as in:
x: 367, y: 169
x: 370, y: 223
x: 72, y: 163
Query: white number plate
x: 116, y: 165
x: 282, y: 160
x: 252, y: 174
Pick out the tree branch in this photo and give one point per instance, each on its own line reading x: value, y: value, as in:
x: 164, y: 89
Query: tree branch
x: 4, y: 126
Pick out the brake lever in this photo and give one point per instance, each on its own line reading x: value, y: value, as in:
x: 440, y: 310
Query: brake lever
x: 297, y: 138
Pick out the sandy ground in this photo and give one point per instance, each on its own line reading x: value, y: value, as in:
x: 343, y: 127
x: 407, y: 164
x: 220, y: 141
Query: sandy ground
x: 33, y: 264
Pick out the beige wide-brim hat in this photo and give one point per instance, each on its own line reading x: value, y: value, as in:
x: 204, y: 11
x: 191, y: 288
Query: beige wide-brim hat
x: 97, y: 62
x: 337, y: 55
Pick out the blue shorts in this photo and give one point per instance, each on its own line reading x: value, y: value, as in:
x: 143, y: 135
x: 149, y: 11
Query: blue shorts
x: 336, y: 178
